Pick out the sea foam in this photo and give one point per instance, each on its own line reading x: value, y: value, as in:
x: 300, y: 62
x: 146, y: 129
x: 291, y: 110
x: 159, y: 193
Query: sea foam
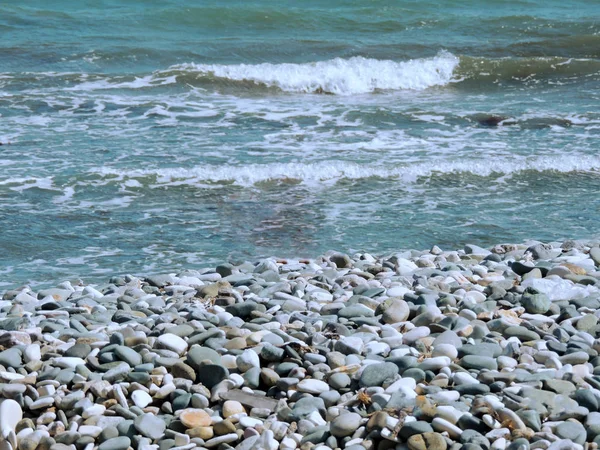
x: 329, y: 172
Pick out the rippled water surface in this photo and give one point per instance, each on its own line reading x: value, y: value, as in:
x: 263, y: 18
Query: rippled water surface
x: 145, y: 137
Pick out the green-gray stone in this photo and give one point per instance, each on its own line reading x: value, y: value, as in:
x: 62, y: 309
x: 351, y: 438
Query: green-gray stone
x: 11, y: 358
x: 211, y: 374
x: 411, y: 428
x: 378, y: 374
x: 197, y: 354
x: 572, y: 430
x: 117, y: 443
x: 150, y: 425
x: 128, y: 355
x: 479, y: 362
x: 536, y: 303
x: 521, y: 333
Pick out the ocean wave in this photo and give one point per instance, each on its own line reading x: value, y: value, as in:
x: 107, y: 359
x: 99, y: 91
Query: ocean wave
x: 357, y: 75
x: 330, y: 172
x: 339, y: 76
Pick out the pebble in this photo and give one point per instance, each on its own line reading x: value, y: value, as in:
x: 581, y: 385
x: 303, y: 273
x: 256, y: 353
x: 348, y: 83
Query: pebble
x: 345, y: 424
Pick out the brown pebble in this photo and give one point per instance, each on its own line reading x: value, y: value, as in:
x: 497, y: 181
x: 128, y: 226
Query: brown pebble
x: 427, y: 441
x: 377, y: 420
x: 224, y: 427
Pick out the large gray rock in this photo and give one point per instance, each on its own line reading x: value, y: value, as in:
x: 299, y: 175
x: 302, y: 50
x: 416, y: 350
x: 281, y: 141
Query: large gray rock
x: 378, y: 374
x: 536, y: 303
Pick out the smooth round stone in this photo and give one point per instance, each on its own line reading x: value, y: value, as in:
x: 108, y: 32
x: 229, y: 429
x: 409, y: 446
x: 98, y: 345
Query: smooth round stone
x: 479, y: 362
x: 339, y: 381
x: 521, y: 333
x: 427, y: 441
x: 182, y: 330
x: 231, y: 407
x: 378, y: 374
x: 204, y: 433
x: 172, y: 342
x: 150, y: 425
x: 536, y: 303
x: 312, y: 386
x: 271, y: 353
x: 345, y: 424
x: 247, y: 422
x: 586, y: 399
x: 446, y: 350
x: 117, y: 443
x: 435, y: 363
x: 211, y: 374
x: 462, y: 378
x: 128, y: 355
x: 448, y: 337
x: 417, y: 374
x: 182, y: 370
x: 481, y: 349
x: 11, y: 358
x: 193, y: 418
x: 357, y: 310
x: 79, y: 351
x: 226, y: 426
x: 394, y: 310
x: 247, y: 360
x: 572, y: 430
x: 415, y: 334
x: 140, y: 398
x: 574, y: 358
x: 473, y: 437
x: 67, y: 362
x: 412, y: 428
x: 10, y: 414
x: 197, y: 354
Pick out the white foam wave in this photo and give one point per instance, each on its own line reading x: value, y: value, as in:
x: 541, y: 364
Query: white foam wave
x: 357, y: 75
x: 329, y: 172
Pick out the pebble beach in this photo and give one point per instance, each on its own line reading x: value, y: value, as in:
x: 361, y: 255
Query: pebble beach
x: 472, y: 349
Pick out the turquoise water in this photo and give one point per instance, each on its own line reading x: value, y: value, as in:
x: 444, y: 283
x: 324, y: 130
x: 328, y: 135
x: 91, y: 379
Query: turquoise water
x: 146, y: 136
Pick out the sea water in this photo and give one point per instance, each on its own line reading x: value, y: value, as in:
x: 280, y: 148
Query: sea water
x: 151, y: 136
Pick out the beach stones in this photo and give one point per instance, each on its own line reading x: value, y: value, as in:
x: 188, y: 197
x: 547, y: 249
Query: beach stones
x: 418, y: 350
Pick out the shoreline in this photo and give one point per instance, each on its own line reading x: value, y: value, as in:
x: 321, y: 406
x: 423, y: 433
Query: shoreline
x: 484, y: 348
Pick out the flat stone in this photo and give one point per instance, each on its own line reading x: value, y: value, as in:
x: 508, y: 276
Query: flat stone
x: 150, y: 425
x: 479, y: 362
x: 211, y: 374
x: 572, y: 430
x: 117, y: 443
x: 251, y: 400
x: 172, y: 342
x: 312, y: 386
x: 128, y: 355
x: 140, y: 398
